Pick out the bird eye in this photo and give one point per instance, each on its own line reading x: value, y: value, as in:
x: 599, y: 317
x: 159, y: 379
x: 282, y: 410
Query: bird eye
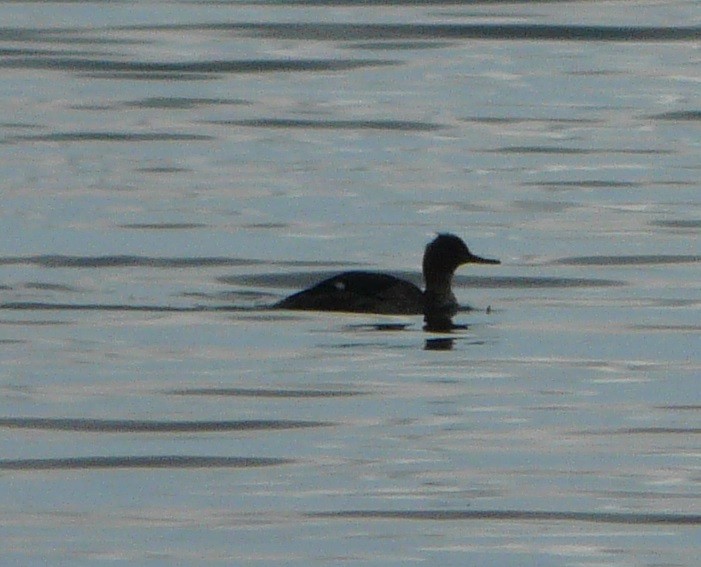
x: 339, y: 285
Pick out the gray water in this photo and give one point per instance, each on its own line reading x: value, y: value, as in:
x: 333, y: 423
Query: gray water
x: 170, y: 170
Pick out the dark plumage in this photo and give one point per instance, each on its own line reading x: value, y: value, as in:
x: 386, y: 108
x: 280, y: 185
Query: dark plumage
x: 371, y: 292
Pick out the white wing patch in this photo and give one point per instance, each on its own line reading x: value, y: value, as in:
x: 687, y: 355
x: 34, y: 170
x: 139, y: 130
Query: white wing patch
x: 340, y: 285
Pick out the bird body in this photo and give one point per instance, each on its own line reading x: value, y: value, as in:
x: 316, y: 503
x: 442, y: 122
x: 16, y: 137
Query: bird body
x: 359, y: 292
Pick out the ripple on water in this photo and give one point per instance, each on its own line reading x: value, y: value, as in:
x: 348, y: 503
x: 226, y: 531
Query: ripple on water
x: 143, y: 426
x: 205, y: 69
x: 636, y: 260
x: 140, y: 462
x: 401, y: 125
x: 516, y: 515
x: 304, y: 279
x: 264, y: 393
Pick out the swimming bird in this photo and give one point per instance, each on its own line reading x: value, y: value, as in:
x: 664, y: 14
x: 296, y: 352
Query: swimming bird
x: 372, y: 292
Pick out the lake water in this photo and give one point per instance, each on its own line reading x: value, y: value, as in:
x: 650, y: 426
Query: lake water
x: 171, y: 169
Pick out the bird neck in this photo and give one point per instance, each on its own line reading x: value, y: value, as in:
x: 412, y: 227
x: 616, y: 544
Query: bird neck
x: 439, y: 296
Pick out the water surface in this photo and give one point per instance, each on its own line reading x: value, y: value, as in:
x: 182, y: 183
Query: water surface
x: 172, y: 170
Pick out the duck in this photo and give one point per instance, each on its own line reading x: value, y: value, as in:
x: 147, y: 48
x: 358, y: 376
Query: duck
x: 385, y: 294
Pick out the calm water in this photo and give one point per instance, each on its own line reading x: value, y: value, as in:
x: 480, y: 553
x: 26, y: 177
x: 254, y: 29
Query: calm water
x: 170, y: 170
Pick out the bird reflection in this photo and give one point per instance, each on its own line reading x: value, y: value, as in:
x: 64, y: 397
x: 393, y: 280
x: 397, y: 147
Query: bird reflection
x: 439, y: 344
